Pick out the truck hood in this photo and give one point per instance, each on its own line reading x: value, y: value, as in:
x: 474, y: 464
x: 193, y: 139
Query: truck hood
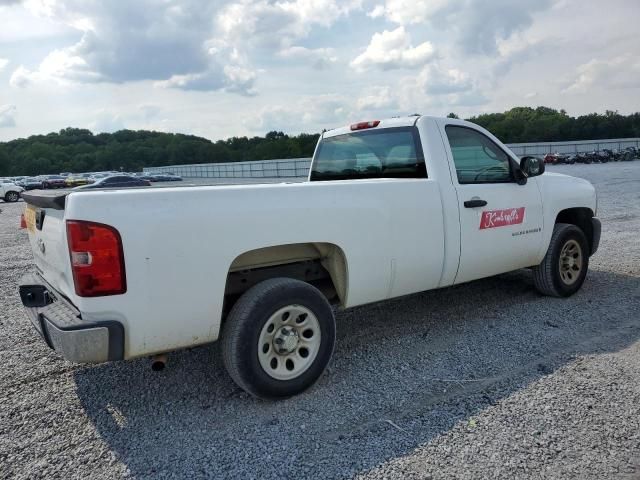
x: 562, y: 175
x: 566, y: 191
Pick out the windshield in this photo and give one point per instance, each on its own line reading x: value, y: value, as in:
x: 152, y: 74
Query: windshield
x: 385, y: 153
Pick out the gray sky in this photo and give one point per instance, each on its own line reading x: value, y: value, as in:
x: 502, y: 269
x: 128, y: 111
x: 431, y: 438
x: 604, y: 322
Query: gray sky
x: 223, y: 68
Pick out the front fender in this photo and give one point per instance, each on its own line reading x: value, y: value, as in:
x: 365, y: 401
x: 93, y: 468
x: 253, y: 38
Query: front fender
x: 559, y: 194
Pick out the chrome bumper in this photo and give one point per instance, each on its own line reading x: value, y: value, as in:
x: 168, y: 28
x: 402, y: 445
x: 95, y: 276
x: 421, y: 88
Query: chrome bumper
x: 61, y: 326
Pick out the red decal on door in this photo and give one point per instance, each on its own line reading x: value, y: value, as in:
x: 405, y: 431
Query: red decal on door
x: 501, y: 218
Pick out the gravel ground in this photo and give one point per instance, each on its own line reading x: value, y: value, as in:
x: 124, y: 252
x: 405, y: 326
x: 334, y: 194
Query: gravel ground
x: 484, y: 380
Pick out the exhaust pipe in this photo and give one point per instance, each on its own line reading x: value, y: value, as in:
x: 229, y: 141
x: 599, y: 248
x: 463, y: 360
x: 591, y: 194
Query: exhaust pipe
x: 158, y: 362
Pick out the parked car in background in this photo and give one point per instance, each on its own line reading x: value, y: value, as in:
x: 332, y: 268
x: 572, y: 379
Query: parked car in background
x: 53, y: 181
x: 167, y: 177
x: 117, y: 181
x: 9, y: 191
x: 77, y: 179
x: 30, y: 183
x: 147, y: 176
x: 100, y: 175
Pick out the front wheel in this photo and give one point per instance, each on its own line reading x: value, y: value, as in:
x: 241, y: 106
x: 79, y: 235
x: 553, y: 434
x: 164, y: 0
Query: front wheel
x: 11, y: 197
x: 564, y: 268
x: 278, y: 338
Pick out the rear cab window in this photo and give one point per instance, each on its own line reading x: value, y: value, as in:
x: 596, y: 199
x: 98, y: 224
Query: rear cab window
x: 384, y: 153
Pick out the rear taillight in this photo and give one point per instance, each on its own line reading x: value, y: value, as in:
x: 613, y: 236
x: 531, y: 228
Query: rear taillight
x: 363, y: 125
x: 97, y: 259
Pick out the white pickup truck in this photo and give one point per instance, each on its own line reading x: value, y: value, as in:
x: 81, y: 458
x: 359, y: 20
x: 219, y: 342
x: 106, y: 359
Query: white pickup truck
x: 390, y: 208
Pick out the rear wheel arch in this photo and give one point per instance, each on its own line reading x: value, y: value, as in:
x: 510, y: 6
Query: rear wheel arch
x: 321, y: 264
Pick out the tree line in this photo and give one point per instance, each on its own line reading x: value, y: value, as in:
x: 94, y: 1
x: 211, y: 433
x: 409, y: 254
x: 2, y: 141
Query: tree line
x: 79, y: 150
x: 543, y: 124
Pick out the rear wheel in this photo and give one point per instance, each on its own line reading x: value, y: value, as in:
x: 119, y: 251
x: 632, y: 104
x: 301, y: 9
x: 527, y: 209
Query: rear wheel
x: 564, y: 268
x: 278, y: 338
x: 11, y: 197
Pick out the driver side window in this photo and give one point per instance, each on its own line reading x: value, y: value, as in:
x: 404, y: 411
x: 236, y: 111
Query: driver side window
x: 476, y: 157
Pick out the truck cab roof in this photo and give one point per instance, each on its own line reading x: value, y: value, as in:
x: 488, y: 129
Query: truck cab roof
x: 407, y: 121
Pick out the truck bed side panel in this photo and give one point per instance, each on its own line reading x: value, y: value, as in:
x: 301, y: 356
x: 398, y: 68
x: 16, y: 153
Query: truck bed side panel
x: 180, y: 242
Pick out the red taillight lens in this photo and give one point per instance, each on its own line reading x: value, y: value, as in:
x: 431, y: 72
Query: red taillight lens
x: 97, y: 259
x: 363, y: 125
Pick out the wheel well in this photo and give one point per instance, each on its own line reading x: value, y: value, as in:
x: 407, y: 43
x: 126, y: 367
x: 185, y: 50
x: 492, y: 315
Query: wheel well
x: 320, y: 264
x: 580, y: 217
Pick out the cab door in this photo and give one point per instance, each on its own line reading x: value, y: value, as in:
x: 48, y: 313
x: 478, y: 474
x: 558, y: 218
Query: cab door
x: 500, y: 220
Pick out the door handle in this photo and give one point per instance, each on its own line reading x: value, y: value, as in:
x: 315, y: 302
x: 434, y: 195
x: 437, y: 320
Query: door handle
x: 475, y: 203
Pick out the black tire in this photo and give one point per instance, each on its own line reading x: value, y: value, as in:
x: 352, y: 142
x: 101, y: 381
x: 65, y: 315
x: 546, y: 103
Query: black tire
x: 248, y: 317
x: 11, y: 197
x: 548, y: 276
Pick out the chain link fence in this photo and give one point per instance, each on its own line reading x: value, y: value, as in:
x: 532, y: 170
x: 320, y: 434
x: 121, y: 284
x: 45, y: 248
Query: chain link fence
x: 584, y: 146
x: 283, y: 168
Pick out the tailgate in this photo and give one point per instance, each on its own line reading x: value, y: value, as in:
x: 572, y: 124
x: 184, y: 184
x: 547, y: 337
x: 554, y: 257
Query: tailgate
x: 44, y: 216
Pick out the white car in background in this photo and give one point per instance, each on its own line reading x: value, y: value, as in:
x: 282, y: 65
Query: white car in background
x: 10, y: 192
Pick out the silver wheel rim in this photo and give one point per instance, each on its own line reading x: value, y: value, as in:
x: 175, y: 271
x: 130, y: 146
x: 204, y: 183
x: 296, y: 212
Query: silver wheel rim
x: 13, y: 196
x: 289, y: 342
x: 570, y: 262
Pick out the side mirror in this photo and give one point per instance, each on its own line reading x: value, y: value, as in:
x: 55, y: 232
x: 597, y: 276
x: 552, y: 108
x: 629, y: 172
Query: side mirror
x: 532, y: 166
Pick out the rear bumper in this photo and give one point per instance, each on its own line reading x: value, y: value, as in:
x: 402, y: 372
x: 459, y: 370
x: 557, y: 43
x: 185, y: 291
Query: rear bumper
x: 597, y: 231
x: 61, y: 326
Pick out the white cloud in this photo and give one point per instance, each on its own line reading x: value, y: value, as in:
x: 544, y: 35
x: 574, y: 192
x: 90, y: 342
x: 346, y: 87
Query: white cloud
x: 617, y: 73
x: 21, y: 77
x: 150, y: 111
x: 61, y: 66
x: 437, y: 80
x: 143, y: 40
x: 106, y: 121
x: 392, y: 49
x: 377, y: 12
x: 319, y: 58
x: 376, y: 98
x: 472, y: 98
x: 76, y: 57
x: 518, y: 50
x: 477, y: 24
x: 7, y: 116
x: 210, y: 80
x: 231, y: 78
x: 407, y: 12
x: 440, y: 88
x: 3, y: 63
x: 239, y: 79
x: 302, y: 115
x: 275, y: 25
